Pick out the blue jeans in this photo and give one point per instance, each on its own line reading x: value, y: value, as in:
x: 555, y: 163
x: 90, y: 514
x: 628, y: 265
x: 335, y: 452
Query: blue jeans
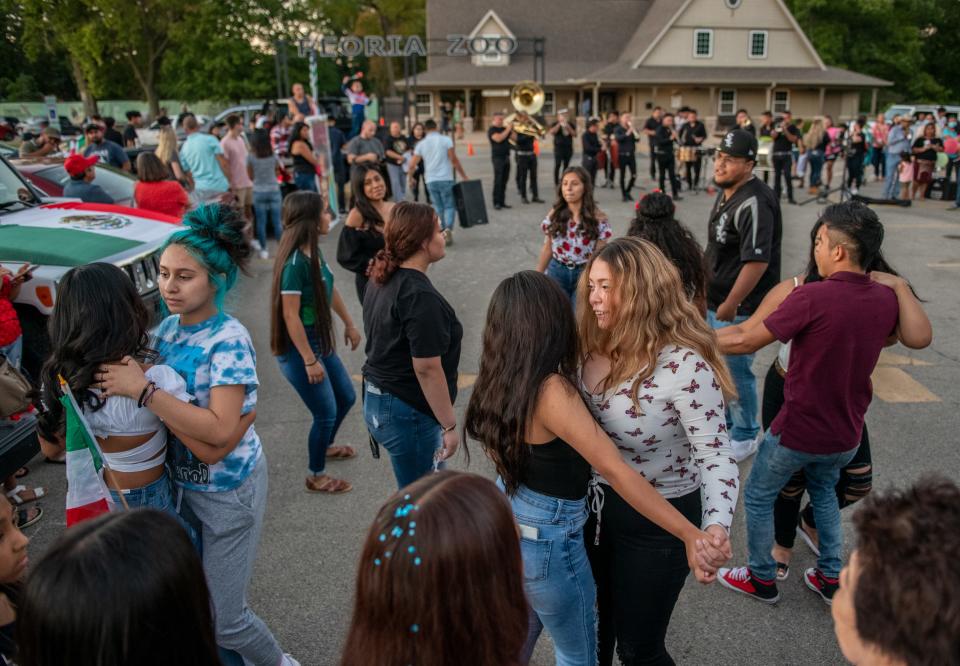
x: 773, y: 467
x: 14, y: 352
x: 409, y: 436
x: 266, y: 205
x: 557, y: 575
x: 305, y: 181
x: 891, y: 187
x: 742, y: 421
x: 328, y: 402
x: 815, y: 164
x: 567, y: 278
x: 156, y: 495
x: 441, y: 194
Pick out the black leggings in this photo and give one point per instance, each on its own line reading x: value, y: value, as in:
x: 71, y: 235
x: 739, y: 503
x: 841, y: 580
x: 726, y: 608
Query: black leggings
x: 856, y: 479
x: 640, y: 570
x: 627, y: 161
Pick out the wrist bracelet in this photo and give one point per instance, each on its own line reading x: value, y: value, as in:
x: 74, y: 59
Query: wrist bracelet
x: 153, y: 391
x: 315, y: 361
x: 445, y: 430
x: 143, y: 393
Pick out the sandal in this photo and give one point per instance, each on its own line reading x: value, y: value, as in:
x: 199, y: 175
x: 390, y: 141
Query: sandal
x: 14, y: 495
x: 783, y: 571
x: 61, y: 459
x: 340, y: 453
x: 27, y: 517
x: 327, y: 484
x: 22, y: 472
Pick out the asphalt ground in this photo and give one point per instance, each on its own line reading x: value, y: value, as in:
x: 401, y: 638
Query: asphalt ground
x: 304, y: 577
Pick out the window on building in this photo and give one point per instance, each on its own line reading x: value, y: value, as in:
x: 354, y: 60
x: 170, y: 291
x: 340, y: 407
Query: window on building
x: 424, y: 105
x: 758, y: 43
x: 728, y: 103
x: 781, y: 101
x: 703, y: 43
x: 492, y: 55
x: 549, y: 103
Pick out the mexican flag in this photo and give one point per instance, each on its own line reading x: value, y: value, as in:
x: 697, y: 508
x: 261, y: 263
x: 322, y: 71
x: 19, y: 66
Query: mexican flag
x: 87, y: 494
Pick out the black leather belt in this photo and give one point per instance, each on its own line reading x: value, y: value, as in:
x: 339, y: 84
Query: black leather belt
x: 524, y: 153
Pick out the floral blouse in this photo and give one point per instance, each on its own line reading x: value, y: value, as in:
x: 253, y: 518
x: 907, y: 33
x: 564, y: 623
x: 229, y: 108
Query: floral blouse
x: 574, y: 247
x: 677, y: 437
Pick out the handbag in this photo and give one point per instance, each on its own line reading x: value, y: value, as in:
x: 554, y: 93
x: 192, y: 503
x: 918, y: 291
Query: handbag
x: 14, y: 389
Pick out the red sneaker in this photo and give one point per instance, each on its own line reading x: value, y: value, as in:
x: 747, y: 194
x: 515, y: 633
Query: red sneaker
x: 825, y: 587
x: 742, y: 581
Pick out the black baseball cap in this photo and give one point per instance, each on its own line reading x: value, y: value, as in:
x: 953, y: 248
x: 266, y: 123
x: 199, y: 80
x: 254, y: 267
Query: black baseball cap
x: 739, y: 143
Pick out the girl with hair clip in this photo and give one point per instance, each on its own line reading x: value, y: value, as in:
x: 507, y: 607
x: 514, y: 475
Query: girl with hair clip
x: 654, y: 380
x: 573, y: 230
x: 100, y: 318
x: 125, y: 588
x: 448, y: 530
x: 655, y: 222
x: 222, y: 483
x: 302, y: 334
x: 413, y: 348
x: 534, y: 426
x: 856, y: 478
x: 362, y: 235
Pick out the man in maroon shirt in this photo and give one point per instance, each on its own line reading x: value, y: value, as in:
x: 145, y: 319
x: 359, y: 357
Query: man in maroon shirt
x: 837, y: 326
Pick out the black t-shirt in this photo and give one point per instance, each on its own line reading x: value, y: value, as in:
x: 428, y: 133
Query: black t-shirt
x: 929, y: 153
x: 781, y: 144
x: 498, y: 148
x: 747, y: 227
x: 692, y: 131
x: 524, y: 143
x: 398, y: 144
x: 609, y: 129
x: 591, y: 144
x: 110, y: 134
x: 407, y: 318
x: 653, y: 125
x: 562, y: 143
x: 663, y: 140
x: 858, y: 145
x: 129, y: 135
x: 626, y: 141
x: 749, y: 128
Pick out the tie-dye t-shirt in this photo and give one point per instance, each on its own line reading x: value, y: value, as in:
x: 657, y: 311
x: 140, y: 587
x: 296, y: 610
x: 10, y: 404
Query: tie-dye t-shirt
x: 216, y: 352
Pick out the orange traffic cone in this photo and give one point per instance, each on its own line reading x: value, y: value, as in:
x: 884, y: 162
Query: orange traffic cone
x: 536, y: 148
x: 470, y: 151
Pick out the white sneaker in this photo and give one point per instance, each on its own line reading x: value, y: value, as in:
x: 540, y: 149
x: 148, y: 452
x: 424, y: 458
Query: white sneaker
x: 854, y: 191
x: 744, y: 448
x: 264, y: 254
x: 255, y: 244
x: 289, y: 661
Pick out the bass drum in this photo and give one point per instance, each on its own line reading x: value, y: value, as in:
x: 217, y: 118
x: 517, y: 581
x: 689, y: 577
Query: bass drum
x: 688, y: 153
x: 764, y: 152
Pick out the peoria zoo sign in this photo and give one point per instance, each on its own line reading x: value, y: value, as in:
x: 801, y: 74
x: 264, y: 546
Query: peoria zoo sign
x: 391, y: 46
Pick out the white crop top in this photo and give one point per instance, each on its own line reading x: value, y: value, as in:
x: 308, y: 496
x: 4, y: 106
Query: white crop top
x: 121, y: 416
x: 783, y: 355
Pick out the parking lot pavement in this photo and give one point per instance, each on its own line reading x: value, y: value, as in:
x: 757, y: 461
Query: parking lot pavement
x: 303, y: 583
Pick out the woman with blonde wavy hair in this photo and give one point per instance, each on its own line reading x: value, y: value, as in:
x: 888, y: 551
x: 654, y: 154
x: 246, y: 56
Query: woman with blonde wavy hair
x: 168, y: 154
x: 653, y: 378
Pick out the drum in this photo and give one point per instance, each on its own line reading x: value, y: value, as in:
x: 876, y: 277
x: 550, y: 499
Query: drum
x: 764, y: 151
x: 688, y: 153
x: 615, y: 154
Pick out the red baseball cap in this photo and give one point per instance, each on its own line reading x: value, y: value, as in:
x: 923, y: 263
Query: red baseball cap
x: 77, y: 164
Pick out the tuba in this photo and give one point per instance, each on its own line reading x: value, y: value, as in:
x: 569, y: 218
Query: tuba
x: 527, y: 97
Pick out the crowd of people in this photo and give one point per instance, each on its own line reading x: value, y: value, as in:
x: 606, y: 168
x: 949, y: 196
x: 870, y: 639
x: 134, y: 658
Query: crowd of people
x: 615, y: 398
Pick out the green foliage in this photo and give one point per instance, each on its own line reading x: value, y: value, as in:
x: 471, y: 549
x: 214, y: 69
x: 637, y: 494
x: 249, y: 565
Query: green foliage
x: 913, y: 43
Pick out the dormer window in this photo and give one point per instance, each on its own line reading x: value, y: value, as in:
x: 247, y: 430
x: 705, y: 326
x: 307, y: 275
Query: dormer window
x: 703, y: 43
x: 758, y: 44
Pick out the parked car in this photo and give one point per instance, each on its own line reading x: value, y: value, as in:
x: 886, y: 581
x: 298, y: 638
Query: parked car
x: 8, y: 150
x: 50, y: 177
x: 36, y: 124
x: 338, y: 107
x: 8, y: 127
x: 148, y: 136
x: 55, y: 236
x: 913, y: 109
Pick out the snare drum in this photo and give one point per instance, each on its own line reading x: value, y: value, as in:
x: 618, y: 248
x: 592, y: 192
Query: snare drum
x: 688, y: 153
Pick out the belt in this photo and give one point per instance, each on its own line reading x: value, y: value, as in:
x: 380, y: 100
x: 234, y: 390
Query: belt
x: 782, y: 153
x: 568, y: 264
x: 524, y: 153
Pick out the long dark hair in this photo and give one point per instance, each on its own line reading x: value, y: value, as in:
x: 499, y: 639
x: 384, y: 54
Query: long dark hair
x: 98, y: 318
x: 560, y: 215
x: 411, y: 224
x: 301, y: 227
x: 368, y: 212
x: 530, y: 334
x: 125, y: 588
x: 447, y: 531
x: 655, y: 222
x: 295, y: 135
x: 260, y: 143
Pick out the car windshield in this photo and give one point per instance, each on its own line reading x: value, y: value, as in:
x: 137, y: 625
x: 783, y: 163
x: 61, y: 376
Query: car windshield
x: 12, y: 189
x: 118, y: 186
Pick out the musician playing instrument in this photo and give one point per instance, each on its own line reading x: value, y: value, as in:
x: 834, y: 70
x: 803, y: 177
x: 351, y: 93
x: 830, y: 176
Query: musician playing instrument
x: 526, y: 160
x: 610, y: 165
x: 593, y: 145
x: 664, y: 141
x: 499, y: 134
x: 785, y: 135
x: 692, y: 135
x: 650, y: 129
x: 563, y: 133
x: 744, y: 122
x: 627, y: 135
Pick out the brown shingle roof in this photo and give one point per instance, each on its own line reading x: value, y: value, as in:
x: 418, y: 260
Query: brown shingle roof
x: 622, y: 72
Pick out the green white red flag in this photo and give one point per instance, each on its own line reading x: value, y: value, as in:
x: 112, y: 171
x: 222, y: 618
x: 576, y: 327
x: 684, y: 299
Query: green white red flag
x: 87, y: 494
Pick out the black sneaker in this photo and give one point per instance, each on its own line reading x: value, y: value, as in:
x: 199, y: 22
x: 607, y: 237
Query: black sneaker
x: 505, y: 206
x: 524, y: 200
x: 538, y: 200
x: 825, y: 587
x: 742, y: 581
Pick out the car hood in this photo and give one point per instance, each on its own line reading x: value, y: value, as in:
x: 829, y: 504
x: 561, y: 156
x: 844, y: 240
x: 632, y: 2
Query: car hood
x: 72, y: 234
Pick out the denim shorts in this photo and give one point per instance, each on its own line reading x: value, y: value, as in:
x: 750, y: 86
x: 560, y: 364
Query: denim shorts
x: 155, y: 495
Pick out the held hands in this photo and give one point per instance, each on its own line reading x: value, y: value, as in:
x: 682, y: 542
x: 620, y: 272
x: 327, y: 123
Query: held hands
x: 726, y: 311
x: 708, y: 551
x: 351, y: 337
x: 125, y: 378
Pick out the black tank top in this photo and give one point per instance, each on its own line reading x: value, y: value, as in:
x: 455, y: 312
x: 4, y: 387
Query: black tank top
x: 300, y: 163
x: 557, y: 470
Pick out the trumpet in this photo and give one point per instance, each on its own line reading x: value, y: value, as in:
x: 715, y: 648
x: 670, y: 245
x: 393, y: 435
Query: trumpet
x: 527, y: 98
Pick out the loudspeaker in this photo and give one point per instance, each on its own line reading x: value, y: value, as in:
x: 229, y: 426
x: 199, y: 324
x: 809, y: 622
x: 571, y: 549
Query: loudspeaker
x: 940, y: 190
x: 471, y: 207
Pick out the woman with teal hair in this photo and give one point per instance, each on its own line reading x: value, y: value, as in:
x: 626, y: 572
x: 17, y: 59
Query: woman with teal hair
x: 222, y: 484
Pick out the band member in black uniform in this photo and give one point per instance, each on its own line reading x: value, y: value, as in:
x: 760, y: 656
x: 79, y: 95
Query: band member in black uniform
x: 563, y: 133
x: 499, y: 136
x: 650, y: 129
x: 692, y: 135
x: 763, y: 134
x: 609, y: 168
x: 626, y: 135
x: 592, y: 145
x: 664, y: 141
x: 784, y: 134
x: 744, y: 122
x: 526, y: 163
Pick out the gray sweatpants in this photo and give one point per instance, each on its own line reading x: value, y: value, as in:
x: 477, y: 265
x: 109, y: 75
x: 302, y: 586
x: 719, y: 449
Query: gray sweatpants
x: 229, y: 523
